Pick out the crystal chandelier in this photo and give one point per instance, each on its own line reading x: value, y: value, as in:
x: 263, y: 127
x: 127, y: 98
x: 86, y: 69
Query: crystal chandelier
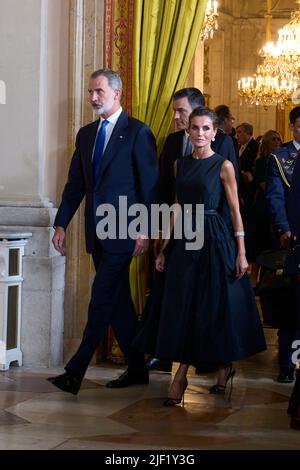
x: 210, y: 23
x: 276, y: 79
x: 265, y: 89
x: 288, y: 43
x: 283, y: 57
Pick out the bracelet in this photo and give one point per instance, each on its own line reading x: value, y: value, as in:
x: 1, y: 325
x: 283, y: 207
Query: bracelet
x: 239, y: 234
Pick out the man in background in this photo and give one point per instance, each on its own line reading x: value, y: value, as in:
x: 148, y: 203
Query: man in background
x: 292, y: 268
x: 280, y: 172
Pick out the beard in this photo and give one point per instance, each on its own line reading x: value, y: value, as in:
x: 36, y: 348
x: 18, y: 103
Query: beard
x: 98, y: 110
x: 104, y: 109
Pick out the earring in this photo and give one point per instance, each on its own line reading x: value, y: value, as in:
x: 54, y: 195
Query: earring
x: 213, y: 139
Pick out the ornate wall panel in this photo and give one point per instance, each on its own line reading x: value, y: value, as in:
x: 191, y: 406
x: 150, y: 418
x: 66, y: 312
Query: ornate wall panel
x: 118, y: 38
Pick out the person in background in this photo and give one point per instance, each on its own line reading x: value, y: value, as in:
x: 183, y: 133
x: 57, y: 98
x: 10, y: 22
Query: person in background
x: 226, y: 125
x: 258, y: 232
x: 292, y: 268
x: 279, y: 177
x: 248, y: 148
x: 224, y: 146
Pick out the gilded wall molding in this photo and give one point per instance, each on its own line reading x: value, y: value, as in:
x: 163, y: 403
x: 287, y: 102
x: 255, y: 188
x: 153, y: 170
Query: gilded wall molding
x: 118, y: 43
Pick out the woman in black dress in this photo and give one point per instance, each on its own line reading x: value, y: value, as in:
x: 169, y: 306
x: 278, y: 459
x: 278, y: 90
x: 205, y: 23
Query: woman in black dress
x: 206, y: 310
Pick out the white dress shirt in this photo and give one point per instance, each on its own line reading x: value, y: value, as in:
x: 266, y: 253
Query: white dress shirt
x: 296, y: 145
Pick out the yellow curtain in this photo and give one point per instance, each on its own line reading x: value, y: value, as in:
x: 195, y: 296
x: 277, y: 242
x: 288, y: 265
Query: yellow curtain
x: 165, y: 37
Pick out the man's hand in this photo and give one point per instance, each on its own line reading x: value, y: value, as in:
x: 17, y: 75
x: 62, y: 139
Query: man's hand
x: 58, y: 240
x: 141, y: 246
x: 284, y: 239
x: 247, y: 176
x: 160, y: 262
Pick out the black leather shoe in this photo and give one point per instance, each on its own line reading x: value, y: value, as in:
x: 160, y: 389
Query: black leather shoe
x: 129, y: 378
x: 153, y: 363
x: 66, y: 382
x: 285, y: 377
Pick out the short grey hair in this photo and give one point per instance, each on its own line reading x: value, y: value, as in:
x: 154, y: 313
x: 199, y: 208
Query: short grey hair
x: 248, y: 128
x: 113, y: 78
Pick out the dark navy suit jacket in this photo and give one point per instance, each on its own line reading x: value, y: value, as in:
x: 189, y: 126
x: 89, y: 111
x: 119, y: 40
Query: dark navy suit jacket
x: 129, y: 168
x: 224, y: 146
x: 279, y: 179
x: 292, y: 265
x: 172, y: 150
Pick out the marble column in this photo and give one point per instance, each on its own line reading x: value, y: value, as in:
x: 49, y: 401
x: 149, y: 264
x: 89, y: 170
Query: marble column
x: 34, y: 138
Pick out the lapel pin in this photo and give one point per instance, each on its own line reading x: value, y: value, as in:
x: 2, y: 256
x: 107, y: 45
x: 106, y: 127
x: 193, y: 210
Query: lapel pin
x: 121, y: 137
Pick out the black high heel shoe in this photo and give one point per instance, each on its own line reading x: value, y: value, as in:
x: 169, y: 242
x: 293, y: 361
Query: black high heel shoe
x: 219, y: 389
x: 176, y: 401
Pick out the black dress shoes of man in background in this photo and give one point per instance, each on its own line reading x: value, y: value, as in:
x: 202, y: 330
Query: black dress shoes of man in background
x: 130, y: 378
x: 153, y: 363
x: 66, y: 382
x: 286, y: 376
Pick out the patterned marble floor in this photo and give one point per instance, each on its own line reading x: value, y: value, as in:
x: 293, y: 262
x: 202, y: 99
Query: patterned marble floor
x: 35, y: 415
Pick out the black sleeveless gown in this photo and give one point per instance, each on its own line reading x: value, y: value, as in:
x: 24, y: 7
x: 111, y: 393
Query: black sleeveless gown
x: 197, y: 310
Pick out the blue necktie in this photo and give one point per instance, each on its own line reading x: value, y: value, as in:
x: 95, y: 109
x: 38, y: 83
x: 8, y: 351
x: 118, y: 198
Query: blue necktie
x: 98, y: 150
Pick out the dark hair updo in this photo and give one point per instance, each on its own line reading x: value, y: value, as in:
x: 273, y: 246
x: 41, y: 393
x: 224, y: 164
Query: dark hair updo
x: 204, y: 111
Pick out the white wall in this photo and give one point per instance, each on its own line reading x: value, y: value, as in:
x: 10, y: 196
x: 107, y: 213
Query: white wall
x: 33, y: 122
x: 19, y: 118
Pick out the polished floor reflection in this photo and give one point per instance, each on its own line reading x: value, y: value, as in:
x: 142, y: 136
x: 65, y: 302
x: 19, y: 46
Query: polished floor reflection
x: 35, y: 415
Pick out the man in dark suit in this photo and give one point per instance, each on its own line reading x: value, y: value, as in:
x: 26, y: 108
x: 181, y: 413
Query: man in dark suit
x: 224, y: 145
x: 114, y: 156
x: 280, y: 172
x: 248, y: 149
x: 226, y: 120
x: 178, y: 144
x: 292, y: 268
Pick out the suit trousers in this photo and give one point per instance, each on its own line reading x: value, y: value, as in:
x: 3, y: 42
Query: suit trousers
x: 110, y: 304
x: 289, y: 331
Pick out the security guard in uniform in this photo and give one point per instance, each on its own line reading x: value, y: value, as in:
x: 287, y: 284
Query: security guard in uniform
x: 279, y: 177
x: 292, y: 267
